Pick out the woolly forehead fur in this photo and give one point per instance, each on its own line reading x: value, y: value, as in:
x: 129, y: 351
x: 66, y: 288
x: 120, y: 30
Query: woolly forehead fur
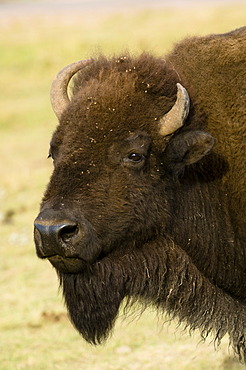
x: 115, y: 97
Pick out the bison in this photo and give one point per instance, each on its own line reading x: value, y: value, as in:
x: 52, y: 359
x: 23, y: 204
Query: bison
x: 147, y: 198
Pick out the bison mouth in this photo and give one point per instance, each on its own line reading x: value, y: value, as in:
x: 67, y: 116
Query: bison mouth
x: 70, y: 265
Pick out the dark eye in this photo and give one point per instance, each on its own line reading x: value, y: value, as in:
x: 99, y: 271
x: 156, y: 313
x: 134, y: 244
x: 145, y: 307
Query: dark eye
x: 50, y: 155
x: 135, y: 157
x: 52, y: 152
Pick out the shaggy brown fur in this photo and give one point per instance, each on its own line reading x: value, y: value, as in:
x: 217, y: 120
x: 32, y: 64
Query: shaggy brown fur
x: 169, y: 228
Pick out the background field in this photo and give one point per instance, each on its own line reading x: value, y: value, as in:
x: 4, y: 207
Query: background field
x: 34, y: 44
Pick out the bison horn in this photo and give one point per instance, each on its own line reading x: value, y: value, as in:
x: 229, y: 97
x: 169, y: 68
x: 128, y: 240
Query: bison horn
x: 58, y: 92
x: 176, y: 117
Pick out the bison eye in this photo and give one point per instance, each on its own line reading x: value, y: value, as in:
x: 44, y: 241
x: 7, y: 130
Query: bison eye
x: 53, y: 151
x: 135, y: 157
x: 50, y: 155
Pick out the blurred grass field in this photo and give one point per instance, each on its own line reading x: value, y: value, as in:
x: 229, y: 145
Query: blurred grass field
x: 34, y: 330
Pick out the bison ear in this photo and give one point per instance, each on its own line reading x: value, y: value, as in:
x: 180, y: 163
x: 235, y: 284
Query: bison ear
x: 187, y: 148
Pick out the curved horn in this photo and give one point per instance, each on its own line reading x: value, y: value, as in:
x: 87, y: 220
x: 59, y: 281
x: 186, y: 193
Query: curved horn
x: 58, y: 92
x: 176, y: 117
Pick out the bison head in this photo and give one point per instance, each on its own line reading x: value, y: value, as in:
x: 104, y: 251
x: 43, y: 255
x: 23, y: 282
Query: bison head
x: 119, y: 147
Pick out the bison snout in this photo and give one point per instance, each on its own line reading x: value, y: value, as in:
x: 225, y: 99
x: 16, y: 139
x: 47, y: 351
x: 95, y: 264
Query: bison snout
x: 62, y: 235
x: 68, y: 244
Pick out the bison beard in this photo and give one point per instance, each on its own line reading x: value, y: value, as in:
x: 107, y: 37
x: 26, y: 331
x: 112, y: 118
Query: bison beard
x: 170, y: 282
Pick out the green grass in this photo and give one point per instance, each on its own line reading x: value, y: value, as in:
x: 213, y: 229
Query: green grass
x: 34, y: 330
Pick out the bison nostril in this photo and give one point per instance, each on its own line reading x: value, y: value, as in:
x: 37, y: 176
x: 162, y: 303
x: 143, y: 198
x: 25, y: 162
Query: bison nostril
x: 68, y: 231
